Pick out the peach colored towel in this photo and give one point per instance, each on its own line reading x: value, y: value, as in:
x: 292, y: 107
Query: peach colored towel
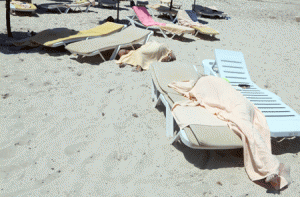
x: 242, y: 117
x: 145, y: 55
x: 145, y: 17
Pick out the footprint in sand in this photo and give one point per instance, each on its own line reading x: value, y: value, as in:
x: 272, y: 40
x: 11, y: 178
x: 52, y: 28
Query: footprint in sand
x: 75, y: 148
x: 8, y: 153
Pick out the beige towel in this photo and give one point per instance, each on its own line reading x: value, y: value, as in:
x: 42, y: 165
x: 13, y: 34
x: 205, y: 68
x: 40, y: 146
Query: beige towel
x: 177, y: 29
x: 145, y: 55
x: 242, y: 117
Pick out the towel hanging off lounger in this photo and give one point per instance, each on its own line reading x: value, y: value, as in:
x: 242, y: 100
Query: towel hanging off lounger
x: 246, y: 120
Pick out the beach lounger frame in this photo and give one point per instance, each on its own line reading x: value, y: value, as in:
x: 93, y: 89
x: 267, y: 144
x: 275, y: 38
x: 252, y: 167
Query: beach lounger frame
x: 68, y: 7
x: 282, y: 120
x: 80, y: 39
x: 226, y: 141
x: 116, y: 48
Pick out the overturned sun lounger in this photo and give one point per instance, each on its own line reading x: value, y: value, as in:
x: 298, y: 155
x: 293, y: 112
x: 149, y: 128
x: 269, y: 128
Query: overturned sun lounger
x: 62, y: 36
x: 189, y: 18
x: 213, y: 133
x: 282, y: 120
x: 125, y: 38
x: 142, y: 18
x: 22, y: 7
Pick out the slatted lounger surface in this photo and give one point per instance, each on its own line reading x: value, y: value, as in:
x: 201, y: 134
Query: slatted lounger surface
x: 283, y: 121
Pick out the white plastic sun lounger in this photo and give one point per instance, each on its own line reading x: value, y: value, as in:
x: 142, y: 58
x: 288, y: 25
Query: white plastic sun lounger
x: 213, y: 133
x: 123, y: 39
x: 283, y: 121
x: 67, y: 7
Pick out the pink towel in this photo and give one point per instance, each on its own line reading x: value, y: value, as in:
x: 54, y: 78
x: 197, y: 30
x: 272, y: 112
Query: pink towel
x: 145, y: 17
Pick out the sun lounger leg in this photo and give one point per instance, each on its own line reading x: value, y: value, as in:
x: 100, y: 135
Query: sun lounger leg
x: 132, y: 46
x: 170, y: 122
x: 148, y: 37
x: 87, y: 9
x: 173, y: 36
x: 163, y: 33
x: 113, y: 56
x: 154, y: 92
x: 196, y: 33
x: 176, y: 138
x: 101, y: 55
x: 67, y: 10
x: 59, y: 10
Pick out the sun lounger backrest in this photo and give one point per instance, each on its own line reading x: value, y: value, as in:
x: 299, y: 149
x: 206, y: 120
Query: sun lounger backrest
x: 168, y: 72
x: 192, y: 15
x: 145, y: 18
x: 232, y: 65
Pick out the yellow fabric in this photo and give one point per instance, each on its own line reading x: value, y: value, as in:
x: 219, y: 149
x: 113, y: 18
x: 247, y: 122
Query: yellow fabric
x: 100, y: 30
x: 177, y: 29
x: 206, y: 30
x: 19, y: 7
x: 50, y: 37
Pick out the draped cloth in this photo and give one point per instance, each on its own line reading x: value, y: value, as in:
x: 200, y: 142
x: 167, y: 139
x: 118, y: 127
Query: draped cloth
x: 242, y: 117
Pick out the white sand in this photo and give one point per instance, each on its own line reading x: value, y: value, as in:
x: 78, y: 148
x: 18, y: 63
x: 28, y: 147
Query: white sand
x: 67, y: 126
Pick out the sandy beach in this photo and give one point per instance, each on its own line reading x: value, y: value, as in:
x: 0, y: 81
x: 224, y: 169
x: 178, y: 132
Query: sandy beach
x: 84, y: 127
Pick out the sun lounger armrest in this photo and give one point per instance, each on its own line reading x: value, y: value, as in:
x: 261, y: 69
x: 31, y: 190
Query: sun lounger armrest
x: 208, y: 67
